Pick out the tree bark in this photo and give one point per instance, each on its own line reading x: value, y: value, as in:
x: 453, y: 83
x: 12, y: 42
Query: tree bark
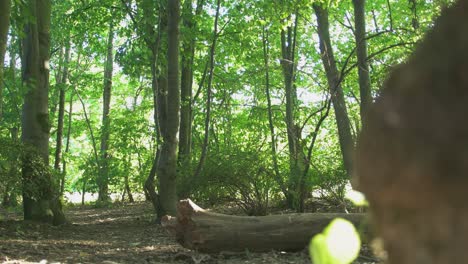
x: 153, y: 39
x: 361, y: 51
x: 103, y: 180
x: 168, y: 116
x: 266, y: 55
x: 62, y: 83
x: 5, y: 10
x: 35, y: 118
x: 186, y: 82
x: 67, y: 147
x: 150, y: 188
x: 336, y: 91
x: 296, y: 163
x: 411, y: 157
x: 204, y: 231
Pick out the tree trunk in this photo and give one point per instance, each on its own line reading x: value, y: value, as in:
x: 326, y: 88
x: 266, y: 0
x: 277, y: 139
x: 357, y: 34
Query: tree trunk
x: 288, y: 46
x: 150, y: 188
x: 411, y: 157
x: 186, y: 81
x: 35, y: 118
x: 204, y: 231
x: 61, y: 83
x: 103, y: 180
x: 128, y: 191
x: 361, y: 51
x: 5, y: 10
x: 334, y: 83
x: 266, y: 57
x: 206, y: 138
x: 169, y: 100
x: 67, y: 147
x: 83, y: 192
x: 153, y: 39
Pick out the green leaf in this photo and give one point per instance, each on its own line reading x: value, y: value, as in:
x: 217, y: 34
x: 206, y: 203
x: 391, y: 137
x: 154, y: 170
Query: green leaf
x: 338, y: 244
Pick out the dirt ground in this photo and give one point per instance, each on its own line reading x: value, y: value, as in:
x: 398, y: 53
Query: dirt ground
x: 121, y: 234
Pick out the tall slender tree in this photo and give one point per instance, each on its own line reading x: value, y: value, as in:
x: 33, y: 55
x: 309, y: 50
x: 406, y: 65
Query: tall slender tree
x: 61, y: 83
x: 186, y: 80
x: 5, y: 10
x: 361, y: 51
x: 103, y: 180
x: 67, y: 146
x: 334, y: 84
x: 152, y: 38
x: 271, y: 126
x: 288, y: 65
x: 206, y: 138
x: 169, y: 104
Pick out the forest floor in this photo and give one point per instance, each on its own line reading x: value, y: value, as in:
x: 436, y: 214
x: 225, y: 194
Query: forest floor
x: 120, y: 234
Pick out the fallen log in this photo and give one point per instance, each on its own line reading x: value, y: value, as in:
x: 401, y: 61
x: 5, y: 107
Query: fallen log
x: 198, y: 229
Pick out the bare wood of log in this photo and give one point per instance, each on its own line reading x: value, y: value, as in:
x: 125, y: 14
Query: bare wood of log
x: 198, y: 229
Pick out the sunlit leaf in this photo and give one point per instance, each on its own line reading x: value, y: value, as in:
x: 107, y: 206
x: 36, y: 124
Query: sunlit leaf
x: 339, y: 243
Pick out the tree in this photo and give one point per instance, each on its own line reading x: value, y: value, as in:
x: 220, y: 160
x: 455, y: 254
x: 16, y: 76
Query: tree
x: 168, y: 115
x: 186, y: 81
x: 39, y: 203
x: 103, y: 177
x: 5, y: 9
x: 288, y: 64
x: 361, y: 51
x: 410, y: 159
x: 209, y: 95
x: 61, y: 83
x: 152, y: 38
x: 274, y: 156
x: 334, y: 84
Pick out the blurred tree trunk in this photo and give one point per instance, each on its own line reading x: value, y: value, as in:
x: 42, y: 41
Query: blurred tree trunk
x: 103, y: 180
x: 168, y: 115
x: 334, y: 84
x: 35, y: 118
x: 411, y: 159
x: 361, y: 51
x: 5, y: 10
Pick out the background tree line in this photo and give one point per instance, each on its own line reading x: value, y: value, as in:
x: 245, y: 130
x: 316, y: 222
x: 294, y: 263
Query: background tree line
x: 252, y: 102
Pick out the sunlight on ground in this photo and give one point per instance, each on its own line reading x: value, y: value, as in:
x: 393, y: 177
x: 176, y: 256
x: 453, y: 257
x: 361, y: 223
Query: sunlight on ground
x: 76, y: 197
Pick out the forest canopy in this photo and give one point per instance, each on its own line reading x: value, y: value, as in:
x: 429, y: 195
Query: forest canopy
x: 257, y: 103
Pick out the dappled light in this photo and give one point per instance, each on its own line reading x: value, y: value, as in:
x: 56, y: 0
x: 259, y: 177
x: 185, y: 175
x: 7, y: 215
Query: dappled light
x: 99, y: 235
x: 218, y: 131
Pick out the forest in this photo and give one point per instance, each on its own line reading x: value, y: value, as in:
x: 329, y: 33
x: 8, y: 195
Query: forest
x: 113, y: 111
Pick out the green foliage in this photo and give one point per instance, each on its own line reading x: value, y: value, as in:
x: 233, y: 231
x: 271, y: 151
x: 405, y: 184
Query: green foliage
x: 339, y: 243
x: 22, y: 169
x: 240, y: 164
x: 10, y: 174
x: 239, y: 176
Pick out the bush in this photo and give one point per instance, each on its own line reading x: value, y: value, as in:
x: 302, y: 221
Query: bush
x: 239, y: 176
x: 10, y: 173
